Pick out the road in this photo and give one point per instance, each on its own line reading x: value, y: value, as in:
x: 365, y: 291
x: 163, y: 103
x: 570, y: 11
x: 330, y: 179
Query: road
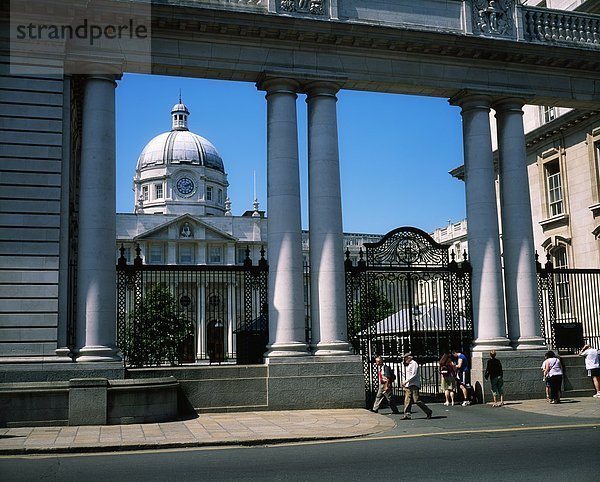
x: 546, y: 454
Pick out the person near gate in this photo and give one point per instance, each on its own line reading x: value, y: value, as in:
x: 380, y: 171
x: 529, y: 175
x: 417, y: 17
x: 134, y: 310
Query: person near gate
x: 412, y: 385
x: 592, y: 365
x: 553, y: 374
x: 462, y: 367
x: 493, y: 371
x: 386, y: 378
x: 448, y: 378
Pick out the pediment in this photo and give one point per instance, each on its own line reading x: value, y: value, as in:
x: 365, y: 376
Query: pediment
x: 187, y: 228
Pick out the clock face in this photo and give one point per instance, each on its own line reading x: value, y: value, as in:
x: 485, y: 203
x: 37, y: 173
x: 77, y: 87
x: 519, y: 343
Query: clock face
x: 185, y: 186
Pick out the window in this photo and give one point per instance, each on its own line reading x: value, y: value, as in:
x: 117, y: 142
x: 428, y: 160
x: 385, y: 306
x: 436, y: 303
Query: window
x: 548, y: 113
x: 220, y: 196
x: 145, y: 195
x: 214, y: 254
x: 554, y: 188
x: 186, y: 254
x: 156, y: 254
x: 158, y: 191
x: 241, y: 255
x: 563, y: 291
x: 209, y: 193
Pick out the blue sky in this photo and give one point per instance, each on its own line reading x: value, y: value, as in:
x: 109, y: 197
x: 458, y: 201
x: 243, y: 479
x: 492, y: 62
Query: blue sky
x: 395, y: 150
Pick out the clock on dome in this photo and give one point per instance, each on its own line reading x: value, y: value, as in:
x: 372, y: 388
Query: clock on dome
x: 185, y: 186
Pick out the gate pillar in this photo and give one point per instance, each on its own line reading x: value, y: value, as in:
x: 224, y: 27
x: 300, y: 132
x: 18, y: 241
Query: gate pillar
x: 520, y: 277
x: 483, y: 233
x: 285, y: 293
x: 327, y: 276
x: 96, y: 283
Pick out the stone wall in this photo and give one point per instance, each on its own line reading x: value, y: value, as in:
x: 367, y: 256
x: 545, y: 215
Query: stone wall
x: 88, y: 401
x: 283, y: 383
x: 31, y: 164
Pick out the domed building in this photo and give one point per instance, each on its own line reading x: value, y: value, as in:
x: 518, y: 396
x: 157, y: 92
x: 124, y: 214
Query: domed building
x: 180, y: 172
x: 182, y: 215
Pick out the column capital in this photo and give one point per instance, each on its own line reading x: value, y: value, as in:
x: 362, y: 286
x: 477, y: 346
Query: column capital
x: 107, y: 77
x: 468, y: 100
x: 509, y: 104
x: 323, y: 88
x: 277, y: 85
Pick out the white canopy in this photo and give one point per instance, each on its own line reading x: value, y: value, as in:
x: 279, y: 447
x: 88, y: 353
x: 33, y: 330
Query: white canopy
x: 433, y: 319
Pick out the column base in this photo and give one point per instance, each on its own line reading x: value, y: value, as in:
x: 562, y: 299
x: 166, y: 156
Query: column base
x: 530, y: 343
x: 286, y: 349
x: 97, y: 354
x: 63, y: 355
x: 331, y: 348
x: 487, y: 344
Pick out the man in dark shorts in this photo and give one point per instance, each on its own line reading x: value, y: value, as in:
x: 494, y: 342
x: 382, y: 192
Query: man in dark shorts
x: 462, y: 367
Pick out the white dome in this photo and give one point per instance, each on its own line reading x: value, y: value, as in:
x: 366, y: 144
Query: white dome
x: 180, y: 146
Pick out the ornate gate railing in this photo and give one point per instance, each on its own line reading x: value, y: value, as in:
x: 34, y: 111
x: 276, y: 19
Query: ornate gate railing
x: 174, y: 314
x: 408, y: 295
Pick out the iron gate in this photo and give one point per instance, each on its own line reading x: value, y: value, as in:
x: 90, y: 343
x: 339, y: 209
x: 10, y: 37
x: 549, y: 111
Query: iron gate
x: 408, y: 295
x: 174, y: 314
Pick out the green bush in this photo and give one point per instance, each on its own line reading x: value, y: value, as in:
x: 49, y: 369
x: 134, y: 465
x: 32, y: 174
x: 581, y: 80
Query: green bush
x: 156, y: 330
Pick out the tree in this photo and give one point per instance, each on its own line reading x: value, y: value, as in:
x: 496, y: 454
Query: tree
x: 368, y: 312
x: 156, y: 330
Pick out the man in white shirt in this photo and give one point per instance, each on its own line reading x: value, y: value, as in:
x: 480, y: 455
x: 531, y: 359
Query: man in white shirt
x: 412, y: 384
x: 592, y: 365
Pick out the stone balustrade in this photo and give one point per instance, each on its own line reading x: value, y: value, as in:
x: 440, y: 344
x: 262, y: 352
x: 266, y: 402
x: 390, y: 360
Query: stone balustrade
x: 544, y: 25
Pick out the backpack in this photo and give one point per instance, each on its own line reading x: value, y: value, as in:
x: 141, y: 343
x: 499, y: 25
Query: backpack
x: 389, y: 374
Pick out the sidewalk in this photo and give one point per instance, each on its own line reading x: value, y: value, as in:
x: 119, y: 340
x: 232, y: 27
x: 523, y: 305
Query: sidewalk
x: 259, y: 428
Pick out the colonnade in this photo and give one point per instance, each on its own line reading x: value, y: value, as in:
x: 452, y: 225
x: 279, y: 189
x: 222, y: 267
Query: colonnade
x: 500, y: 296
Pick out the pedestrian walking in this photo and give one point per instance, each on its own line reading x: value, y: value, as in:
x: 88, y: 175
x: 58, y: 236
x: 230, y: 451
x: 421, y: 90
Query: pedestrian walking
x: 553, y: 374
x: 493, y: 371
x: 412, y: 385
x: 448, y: 378
x: 462, y: 367
x: 592, y: 365
x: 386, y: 378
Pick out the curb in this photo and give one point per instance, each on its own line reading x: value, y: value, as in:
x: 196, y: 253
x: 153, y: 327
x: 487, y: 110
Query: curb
x: 172, y: 445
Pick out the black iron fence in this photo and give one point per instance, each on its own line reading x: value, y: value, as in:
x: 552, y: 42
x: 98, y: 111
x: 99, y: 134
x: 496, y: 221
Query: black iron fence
x: 569, y: 304
x: 174, y: 314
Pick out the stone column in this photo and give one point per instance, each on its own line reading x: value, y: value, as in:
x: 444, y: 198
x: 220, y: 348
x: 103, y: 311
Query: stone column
x: 520, y: 278
x: 483, y: 233
x: 286, y: 296
x: 327, y: 276
x: 96, y: 280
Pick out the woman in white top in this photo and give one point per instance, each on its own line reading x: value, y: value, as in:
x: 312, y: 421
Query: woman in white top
x: 553, y: 373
